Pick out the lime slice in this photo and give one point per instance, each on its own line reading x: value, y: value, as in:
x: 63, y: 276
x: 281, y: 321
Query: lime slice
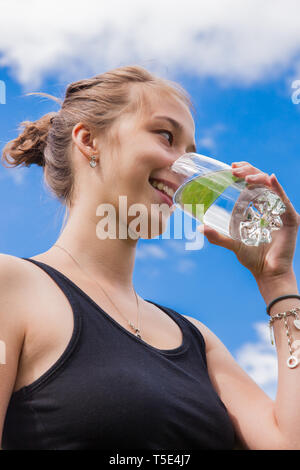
x: 205, y: 190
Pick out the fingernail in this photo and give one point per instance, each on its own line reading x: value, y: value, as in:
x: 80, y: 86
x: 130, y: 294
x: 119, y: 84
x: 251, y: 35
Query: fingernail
x: 238, y: 169
x: 200, y: 228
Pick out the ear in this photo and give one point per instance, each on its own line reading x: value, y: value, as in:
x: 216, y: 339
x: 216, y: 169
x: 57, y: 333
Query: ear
x: 84, y: 140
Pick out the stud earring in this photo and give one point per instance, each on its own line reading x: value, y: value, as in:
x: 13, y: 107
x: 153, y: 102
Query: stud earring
x: 93, y: 162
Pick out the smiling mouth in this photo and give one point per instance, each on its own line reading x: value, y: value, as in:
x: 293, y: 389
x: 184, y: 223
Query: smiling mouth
x: 162, y: 186
x: 163, y: 189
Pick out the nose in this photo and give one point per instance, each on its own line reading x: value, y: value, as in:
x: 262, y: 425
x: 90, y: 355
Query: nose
x: 174, y: 176
x: 171, y: 161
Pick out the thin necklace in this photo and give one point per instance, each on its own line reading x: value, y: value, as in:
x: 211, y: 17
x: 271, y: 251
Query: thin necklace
x: 137, y: 330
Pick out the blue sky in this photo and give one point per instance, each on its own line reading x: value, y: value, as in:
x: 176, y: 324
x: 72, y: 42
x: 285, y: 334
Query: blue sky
x: 244, y: 111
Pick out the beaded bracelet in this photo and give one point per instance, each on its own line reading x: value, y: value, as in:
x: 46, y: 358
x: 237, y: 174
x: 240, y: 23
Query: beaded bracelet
x: 292, y: 360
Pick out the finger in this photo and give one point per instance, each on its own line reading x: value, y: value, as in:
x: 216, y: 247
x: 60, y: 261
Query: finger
x: 259, y: 178
x: 244, y: 170
x: 238, y: 164
x: 272, y: 183
x: 281, y: 193
x: 217, y: 238
x: 279, y: 189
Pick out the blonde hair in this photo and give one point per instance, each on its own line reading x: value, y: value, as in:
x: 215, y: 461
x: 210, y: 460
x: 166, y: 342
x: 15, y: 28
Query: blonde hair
x: 96, y: 102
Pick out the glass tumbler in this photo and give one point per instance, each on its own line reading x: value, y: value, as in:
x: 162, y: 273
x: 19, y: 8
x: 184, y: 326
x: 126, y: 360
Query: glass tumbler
x: 209, y: 191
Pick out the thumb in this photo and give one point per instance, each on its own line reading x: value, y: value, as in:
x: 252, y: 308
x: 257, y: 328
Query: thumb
x: 217, y: 238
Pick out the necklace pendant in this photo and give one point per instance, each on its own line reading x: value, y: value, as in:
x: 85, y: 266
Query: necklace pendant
x: 136, y: 330
x: 93, y: 163
x: 132, y: 326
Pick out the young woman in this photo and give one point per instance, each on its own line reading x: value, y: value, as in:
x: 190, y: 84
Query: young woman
x: 90, y: 365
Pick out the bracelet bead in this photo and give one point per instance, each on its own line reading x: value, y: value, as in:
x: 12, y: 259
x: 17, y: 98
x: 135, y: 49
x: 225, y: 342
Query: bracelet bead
x: 294, y: 348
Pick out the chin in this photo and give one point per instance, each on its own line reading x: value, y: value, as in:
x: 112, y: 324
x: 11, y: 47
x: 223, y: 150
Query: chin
x: 148, y: 227
x: 156, y: 226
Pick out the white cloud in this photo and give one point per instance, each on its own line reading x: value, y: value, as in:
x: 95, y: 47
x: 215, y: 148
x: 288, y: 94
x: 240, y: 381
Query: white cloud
x: 185, y: 265
x: 178, y: 246
x: 259, y: 360
x: 207, y: 142
x: 17, y: 174
x: 147, y: 250
x: 208, y: 138
x: 229, y: 39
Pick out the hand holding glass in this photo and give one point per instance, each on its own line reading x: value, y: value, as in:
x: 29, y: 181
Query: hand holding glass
x: 209, y: 192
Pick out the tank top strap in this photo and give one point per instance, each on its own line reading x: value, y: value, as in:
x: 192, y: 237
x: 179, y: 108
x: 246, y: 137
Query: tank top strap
x: 188, y: 328
x: 71, y: 290
x: 177, y: 317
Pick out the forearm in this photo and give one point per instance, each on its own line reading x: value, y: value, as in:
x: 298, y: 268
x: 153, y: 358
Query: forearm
x: 287, y: 404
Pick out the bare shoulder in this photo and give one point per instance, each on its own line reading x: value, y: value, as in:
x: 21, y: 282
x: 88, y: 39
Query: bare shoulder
x: 13, y: 273
x: 14, y: 282
x: 10, y: 262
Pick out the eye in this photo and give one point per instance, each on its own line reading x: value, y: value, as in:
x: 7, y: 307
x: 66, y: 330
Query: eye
x: 168, y: 135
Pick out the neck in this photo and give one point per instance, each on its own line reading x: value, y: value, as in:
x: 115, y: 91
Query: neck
x: 109, y: 259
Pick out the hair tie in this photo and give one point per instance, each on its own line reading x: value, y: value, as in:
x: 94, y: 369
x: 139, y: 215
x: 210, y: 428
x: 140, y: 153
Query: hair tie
x: 282, y: 297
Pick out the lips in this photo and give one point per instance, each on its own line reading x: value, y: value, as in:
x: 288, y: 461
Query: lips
x: 174, y: 186
x: 165, y: 197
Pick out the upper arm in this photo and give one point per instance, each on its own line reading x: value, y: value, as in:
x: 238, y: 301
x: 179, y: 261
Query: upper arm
x: 250, y: 409
x: 12, y: 327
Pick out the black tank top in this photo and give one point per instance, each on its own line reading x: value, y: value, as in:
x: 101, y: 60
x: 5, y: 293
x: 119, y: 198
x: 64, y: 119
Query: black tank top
x: 111, y: 390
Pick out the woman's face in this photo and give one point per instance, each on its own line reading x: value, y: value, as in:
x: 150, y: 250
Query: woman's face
x: 148, y: 144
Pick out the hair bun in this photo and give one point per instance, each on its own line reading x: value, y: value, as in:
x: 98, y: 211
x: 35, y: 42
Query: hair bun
x: 28, y: 148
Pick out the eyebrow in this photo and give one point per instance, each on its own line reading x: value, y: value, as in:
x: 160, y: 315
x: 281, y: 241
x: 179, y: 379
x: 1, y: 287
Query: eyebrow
x: 177, y: 126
